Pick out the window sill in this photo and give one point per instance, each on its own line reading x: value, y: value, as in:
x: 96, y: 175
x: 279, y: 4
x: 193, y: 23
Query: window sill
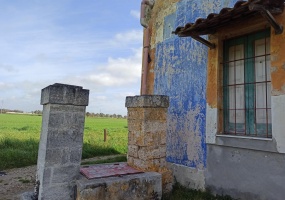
x: 252, y: 143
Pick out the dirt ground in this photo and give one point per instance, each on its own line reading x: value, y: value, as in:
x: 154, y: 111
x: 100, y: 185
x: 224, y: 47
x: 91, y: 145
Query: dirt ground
x: 19, y: 180
x: 16, y: 182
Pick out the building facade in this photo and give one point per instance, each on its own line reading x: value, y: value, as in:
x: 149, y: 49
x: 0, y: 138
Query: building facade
x: 221, y: 62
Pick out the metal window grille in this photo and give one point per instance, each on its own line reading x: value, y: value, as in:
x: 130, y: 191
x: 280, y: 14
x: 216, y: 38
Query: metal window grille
x: 247, y: 86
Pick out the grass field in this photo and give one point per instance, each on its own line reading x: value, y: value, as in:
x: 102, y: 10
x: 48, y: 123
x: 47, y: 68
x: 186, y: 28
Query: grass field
x: 19, y: 140
x: 20, y: 134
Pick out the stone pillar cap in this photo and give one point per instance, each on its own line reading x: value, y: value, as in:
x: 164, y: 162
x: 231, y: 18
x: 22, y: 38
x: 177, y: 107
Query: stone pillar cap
x: 147, y: 101
x: 65, y: 94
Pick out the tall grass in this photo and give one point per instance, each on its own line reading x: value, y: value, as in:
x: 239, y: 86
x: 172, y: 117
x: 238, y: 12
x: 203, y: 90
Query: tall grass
x: 117, y: 137
x: 20, y: 134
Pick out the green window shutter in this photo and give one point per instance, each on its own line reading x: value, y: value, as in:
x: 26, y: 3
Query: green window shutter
x: 244, y: 93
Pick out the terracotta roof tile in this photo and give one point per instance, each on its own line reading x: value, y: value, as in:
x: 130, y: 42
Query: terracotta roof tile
x: 240, y: 11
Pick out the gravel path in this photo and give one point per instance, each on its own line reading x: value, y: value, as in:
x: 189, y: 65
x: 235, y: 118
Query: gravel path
x: 19, y: 180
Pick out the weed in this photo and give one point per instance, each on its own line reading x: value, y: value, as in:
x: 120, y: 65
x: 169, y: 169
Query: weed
x: 179, y: 192
x: 24, y: 128
x: 24, y: 180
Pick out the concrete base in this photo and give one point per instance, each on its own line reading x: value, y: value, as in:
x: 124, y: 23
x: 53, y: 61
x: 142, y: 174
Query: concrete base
x: 143, y: 186
x: 187, y: 176
x: 245, y: 174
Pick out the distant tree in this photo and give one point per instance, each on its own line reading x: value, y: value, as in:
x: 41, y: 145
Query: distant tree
x: 91, y: 114
x: 37, y: 112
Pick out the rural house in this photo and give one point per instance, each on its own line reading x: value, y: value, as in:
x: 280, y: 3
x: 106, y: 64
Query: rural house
x: 222, y: 65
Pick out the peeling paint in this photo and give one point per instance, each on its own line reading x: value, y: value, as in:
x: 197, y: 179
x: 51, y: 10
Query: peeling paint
x: 186, y: 71
x: 180, y: 72
x: 278, y: 59
x: 273, y: 69
x: 211, y: 126
x: 160, y: 10
x: 168, y: 27
x: 283, y: 66
x: 212, y: 80
x: 173, y: 72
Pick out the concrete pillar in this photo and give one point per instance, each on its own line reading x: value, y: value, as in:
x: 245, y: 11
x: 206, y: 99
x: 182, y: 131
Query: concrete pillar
x: 147, y: 123
x: 61, y: 140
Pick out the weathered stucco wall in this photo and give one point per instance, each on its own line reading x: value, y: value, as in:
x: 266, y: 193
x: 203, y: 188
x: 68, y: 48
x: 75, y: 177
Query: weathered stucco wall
x: 246, y: 168
x: 245, y: 174
x: 278, y: 86
x: 179, y: 68
x: 278, y: 60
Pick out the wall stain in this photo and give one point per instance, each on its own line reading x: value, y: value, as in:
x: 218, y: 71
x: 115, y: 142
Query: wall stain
x: 278, y: 59
x: 212, y: 82
x: 180, y: 71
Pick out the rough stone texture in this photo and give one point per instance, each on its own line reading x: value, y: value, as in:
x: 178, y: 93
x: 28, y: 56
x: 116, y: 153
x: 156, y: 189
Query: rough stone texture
x: 147, y: 101
x: 245, y: 174
x: 143, y: 186
x: 147, y: 116
x: 61, y: 140
x: 65, y: 94
x: 147, y: 132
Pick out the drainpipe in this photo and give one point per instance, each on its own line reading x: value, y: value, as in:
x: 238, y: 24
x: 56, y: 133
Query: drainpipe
x: 146, y: 44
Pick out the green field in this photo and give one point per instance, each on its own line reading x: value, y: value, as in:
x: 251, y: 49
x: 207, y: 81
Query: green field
x: 20, y: 134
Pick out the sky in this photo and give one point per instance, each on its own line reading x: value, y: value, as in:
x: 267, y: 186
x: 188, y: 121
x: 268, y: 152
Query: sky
x: 96, y: 44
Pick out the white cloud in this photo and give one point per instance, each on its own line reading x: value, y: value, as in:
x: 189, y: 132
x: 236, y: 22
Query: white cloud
x: 135, y: 14
x: 129, y: 37
x: 117, y: 72
x: 43, y: 43
x: 109, y: 84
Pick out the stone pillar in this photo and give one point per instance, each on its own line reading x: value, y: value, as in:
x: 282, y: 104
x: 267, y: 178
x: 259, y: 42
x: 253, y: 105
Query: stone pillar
x: 147, y: 123
x: 61, y: 140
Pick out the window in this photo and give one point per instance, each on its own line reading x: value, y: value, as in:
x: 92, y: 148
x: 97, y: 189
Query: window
x: 247, y: 86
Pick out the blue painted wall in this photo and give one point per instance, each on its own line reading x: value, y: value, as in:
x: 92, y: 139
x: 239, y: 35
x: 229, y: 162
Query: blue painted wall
x: 180, y: 73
